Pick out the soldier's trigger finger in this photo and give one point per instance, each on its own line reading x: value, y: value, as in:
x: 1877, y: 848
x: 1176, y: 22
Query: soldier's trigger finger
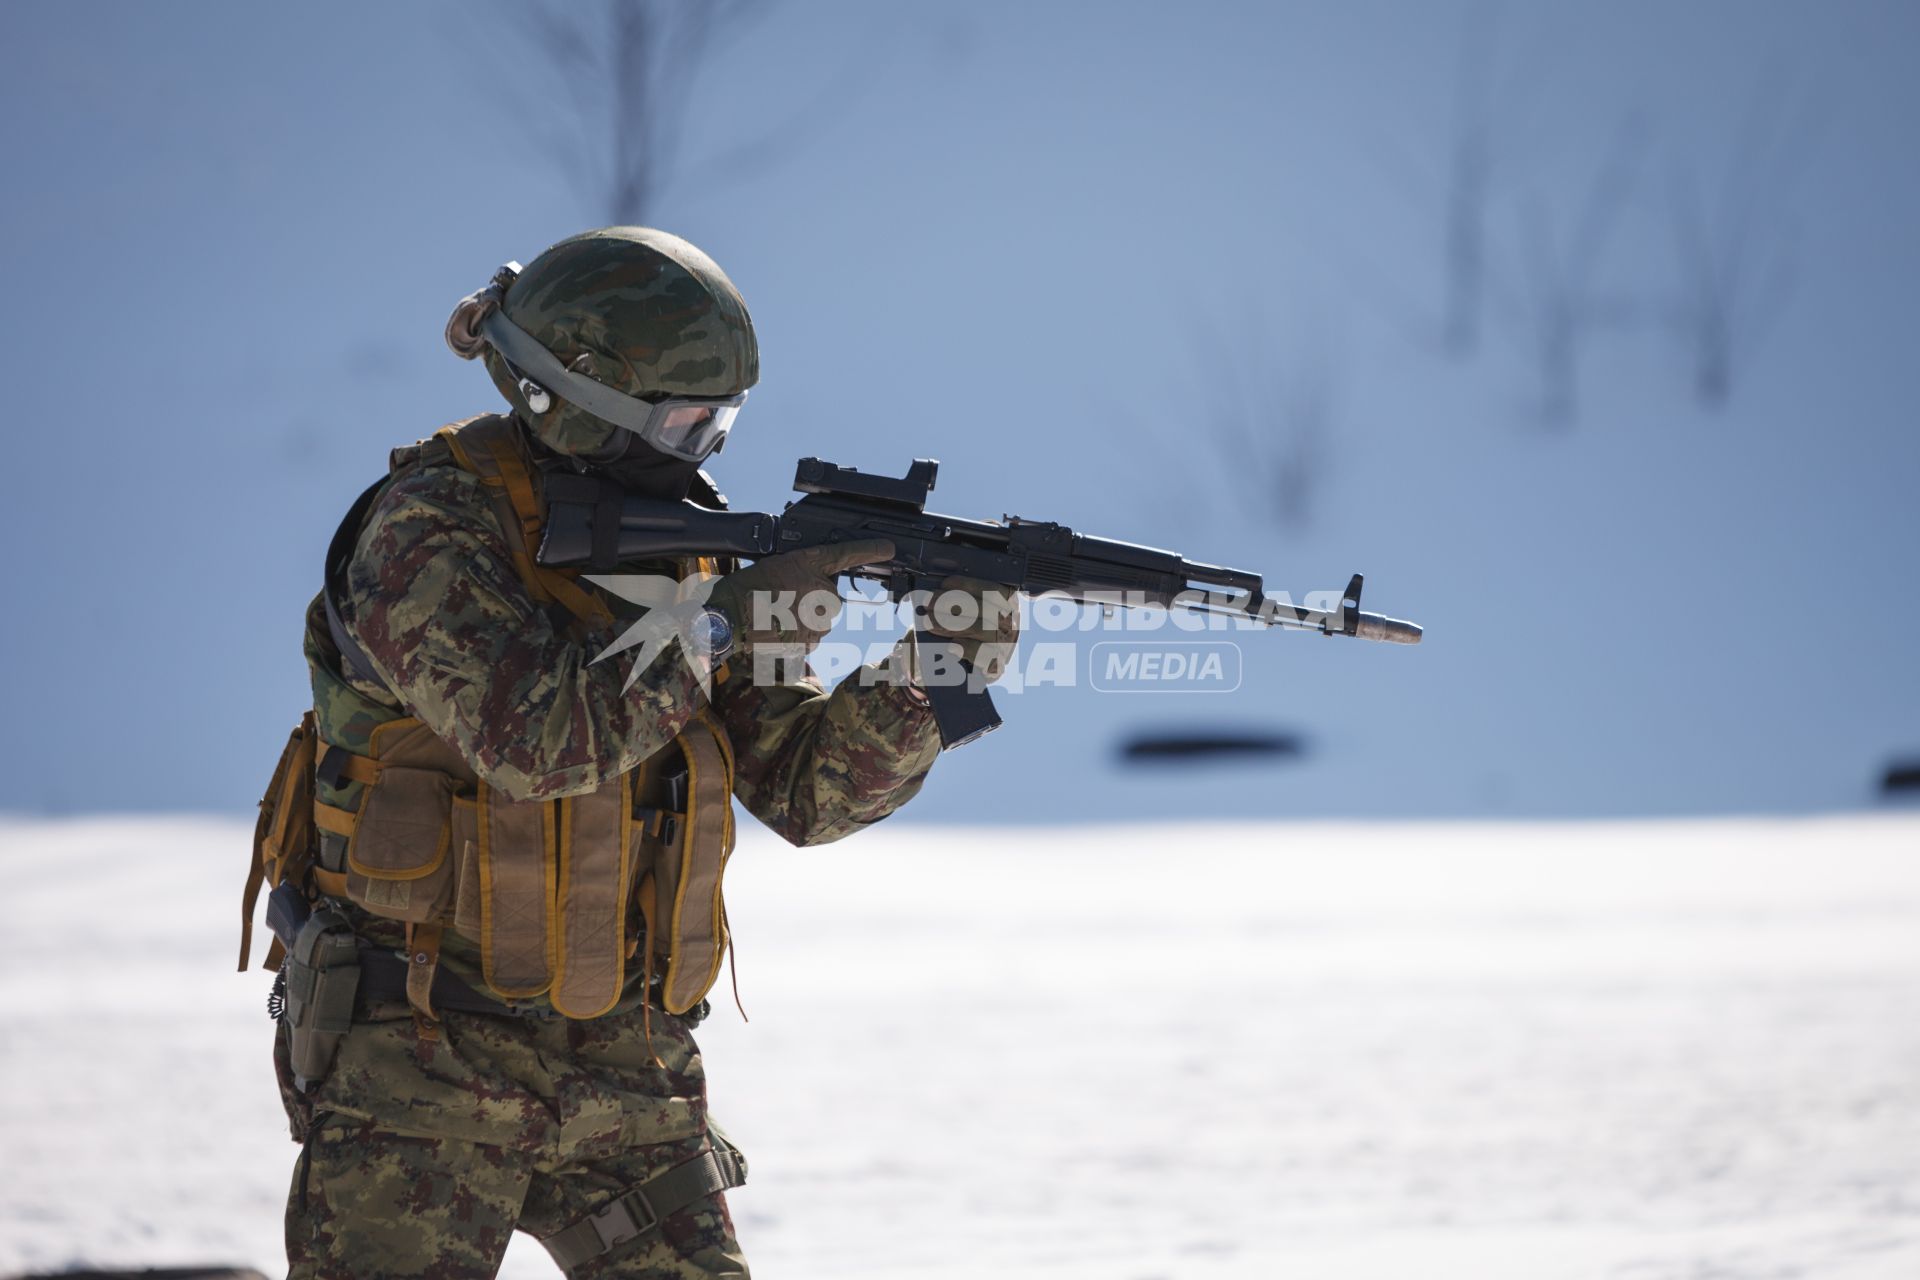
x: 839, y: 557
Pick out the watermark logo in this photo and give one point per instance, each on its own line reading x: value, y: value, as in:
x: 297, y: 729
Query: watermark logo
x: 1205, y: 666
x: 783, y: 638
x: 672, y: 607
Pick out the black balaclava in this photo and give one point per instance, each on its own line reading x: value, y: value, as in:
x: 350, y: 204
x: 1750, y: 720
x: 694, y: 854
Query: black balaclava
x: 630, y: 463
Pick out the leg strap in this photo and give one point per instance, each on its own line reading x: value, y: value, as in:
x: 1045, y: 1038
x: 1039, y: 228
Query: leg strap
x: 639, y: 1211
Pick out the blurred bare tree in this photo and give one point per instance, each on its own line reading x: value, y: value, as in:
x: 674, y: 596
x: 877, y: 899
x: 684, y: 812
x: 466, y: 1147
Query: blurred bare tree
x: 1271, y: 414
x: 633, y: 73
x: 630, y: 71
x: 1456, y: 177
x: 1555, y: 294
x: 1733, y: 242
x: 1729, y: 220
x: 1486, y: 99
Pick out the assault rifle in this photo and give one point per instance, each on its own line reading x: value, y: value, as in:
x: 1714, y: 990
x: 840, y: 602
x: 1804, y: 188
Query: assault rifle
x: 587, y: 525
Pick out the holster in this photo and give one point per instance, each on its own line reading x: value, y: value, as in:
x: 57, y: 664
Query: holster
x: 322, y: 970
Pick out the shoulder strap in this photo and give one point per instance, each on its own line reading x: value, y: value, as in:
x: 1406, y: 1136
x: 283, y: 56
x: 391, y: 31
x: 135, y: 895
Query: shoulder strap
x: 487, y: 447
x: 490, y: 448
x: 431, y: 452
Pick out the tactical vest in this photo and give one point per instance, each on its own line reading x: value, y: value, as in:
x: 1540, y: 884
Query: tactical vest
x: 370, y: 805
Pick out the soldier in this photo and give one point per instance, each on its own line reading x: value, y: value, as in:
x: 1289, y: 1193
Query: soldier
x: 496, y: 863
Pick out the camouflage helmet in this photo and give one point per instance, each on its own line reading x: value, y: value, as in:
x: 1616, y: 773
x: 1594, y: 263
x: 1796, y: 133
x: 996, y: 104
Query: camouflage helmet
x: 634, y: 309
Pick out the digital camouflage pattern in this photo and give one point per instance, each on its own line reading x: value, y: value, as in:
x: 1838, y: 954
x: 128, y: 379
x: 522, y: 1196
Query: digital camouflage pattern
x: 640, y: 310
x: 503, y: 1124
x: 873, y: 741
x: 434, y: 599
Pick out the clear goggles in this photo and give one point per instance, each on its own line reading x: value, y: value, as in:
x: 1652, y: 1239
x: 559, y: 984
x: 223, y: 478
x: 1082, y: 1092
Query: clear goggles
x: 690, y: 427
x: 682, y: 426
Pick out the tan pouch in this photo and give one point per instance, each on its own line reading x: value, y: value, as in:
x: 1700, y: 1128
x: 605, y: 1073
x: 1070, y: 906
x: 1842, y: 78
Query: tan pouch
x: 687, y: 909
x: 283, y: 835
x: 589, y: 926
x: 517, y: 887
x: 397, y: 860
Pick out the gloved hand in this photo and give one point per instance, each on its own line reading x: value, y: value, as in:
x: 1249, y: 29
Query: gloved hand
x: 791, y: 598
x: 983, y: 618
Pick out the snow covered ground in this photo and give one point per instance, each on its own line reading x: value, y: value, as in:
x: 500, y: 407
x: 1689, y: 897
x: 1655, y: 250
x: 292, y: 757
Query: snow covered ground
x: 1645, y: 1051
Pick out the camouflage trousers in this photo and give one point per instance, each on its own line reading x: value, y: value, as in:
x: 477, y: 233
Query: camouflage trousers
x: 420, y: 1159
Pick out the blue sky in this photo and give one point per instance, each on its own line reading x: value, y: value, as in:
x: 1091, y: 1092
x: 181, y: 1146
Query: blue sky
x: 1043, y: 243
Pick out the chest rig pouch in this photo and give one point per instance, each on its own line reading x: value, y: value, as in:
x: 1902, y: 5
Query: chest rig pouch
x: 556, y: 894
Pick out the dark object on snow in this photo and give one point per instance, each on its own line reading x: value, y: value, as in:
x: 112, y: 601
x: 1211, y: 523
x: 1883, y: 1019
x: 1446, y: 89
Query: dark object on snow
x: 1903, y: 780
x: 154, y: 1273
x: 1163, y: 748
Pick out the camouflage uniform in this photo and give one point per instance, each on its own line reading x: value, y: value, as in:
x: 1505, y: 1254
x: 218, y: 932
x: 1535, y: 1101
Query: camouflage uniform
x: 421, y: 1157
x: 422, y: 1160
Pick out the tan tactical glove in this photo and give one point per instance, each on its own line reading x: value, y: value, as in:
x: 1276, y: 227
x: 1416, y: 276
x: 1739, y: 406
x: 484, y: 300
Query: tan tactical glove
x: 983, y: 618
x: 791, y: 599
